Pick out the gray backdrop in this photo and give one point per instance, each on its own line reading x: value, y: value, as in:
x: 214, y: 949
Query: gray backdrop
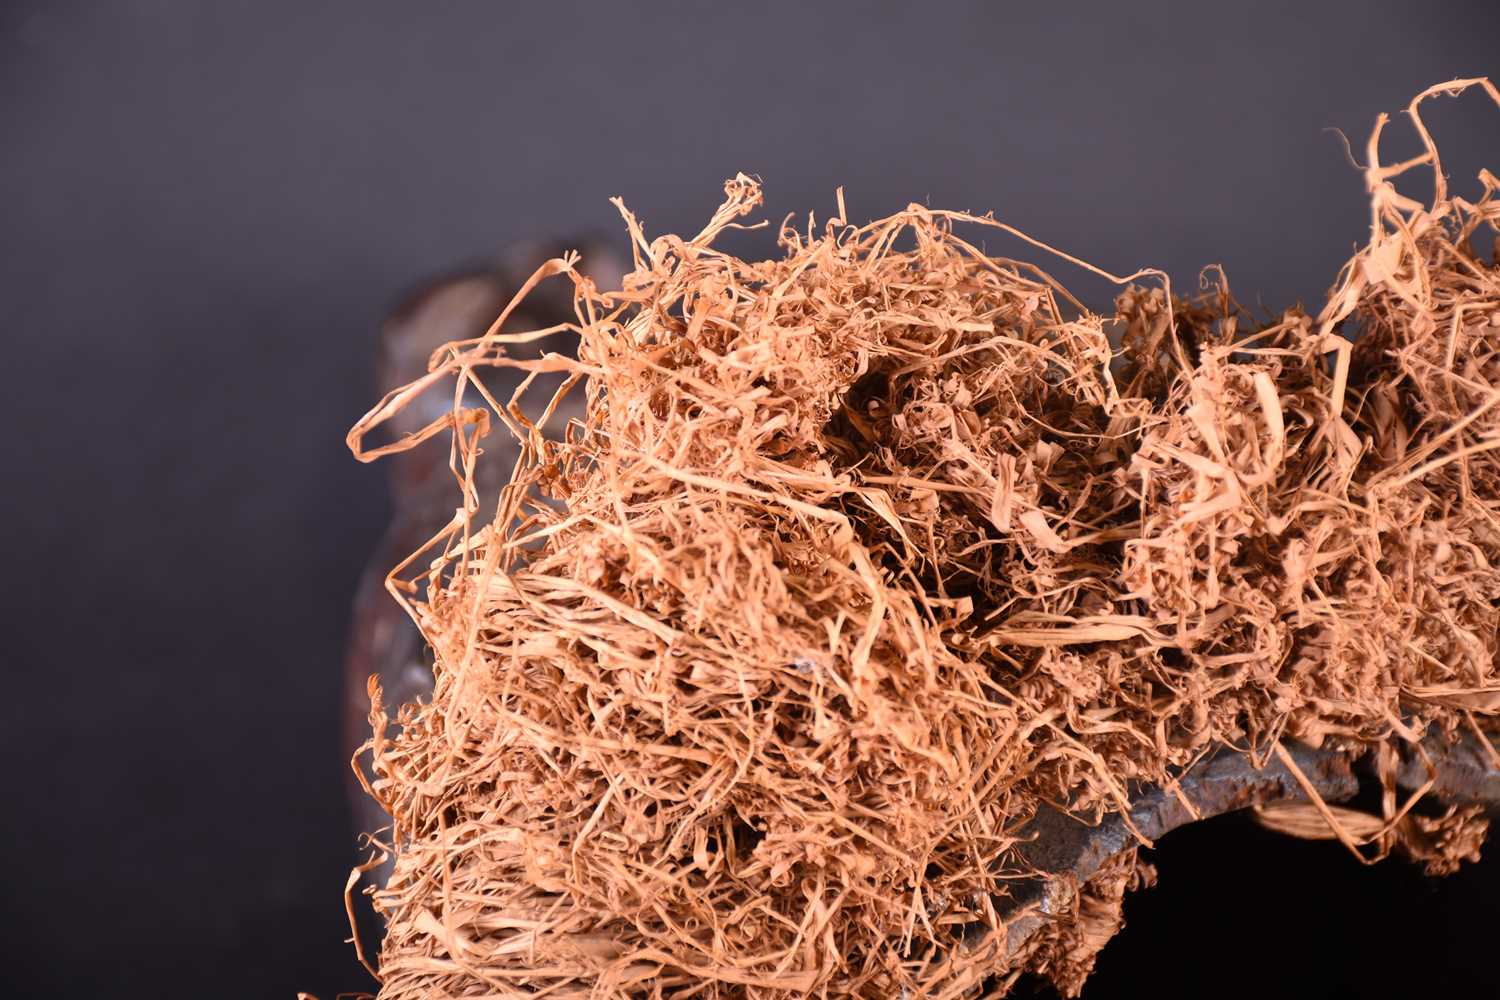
x: 205, y: 210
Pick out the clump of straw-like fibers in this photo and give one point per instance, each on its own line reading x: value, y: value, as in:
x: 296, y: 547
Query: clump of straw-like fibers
x: 861, y: 553
x: 1255, y: 559
x: 1424, y: 298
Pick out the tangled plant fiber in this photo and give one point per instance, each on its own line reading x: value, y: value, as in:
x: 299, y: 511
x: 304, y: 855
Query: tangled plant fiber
x: 858, y: 555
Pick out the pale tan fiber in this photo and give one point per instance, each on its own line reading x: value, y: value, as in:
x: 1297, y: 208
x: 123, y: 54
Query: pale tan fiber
x: 861, y: 553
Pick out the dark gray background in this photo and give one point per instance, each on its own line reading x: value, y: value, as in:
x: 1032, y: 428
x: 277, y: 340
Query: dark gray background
x: 205, y: 210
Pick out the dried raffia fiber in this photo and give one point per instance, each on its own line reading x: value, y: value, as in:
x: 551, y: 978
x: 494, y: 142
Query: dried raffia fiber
x: 860, y: 553
x: 1254, y: 558
x: 1066, y: 949
x: 1426, y: 303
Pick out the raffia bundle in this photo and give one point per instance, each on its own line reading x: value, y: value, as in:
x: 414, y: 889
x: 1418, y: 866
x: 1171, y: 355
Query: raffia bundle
x: 859, y: 554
